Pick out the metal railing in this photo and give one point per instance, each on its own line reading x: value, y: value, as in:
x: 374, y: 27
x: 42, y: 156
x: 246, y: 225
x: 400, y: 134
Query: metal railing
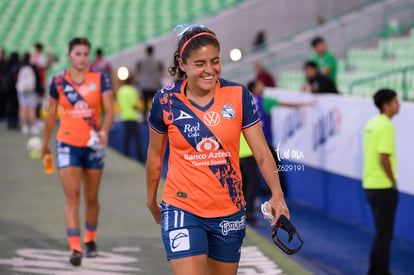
x: 402, y: 70
x: 268, y: 65
x: 292, y: 35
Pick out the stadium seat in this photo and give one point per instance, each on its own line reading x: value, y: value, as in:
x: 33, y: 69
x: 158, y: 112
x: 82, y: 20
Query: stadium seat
x: 128, y: 22
x: 392, y: 54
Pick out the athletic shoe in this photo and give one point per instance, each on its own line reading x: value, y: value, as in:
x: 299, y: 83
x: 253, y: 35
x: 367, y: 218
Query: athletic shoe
x: 25, y: 129
x: 91, y: 250
x: 76, y: 258
x: 34, y: 130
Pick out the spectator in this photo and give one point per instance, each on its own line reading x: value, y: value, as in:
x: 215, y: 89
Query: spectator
x: 264, y: 76
x: 260, y: 41
x: 380, y: 177
x: 41, y: 62
x: 325, y: 59
x: 264, y: 106
x: 100, y: 64
x: 3, y: 83
x: 316, y: 82
x: 320, y: 20
x: 12, y: 101
x: 149, y: 76
x: 129, y: 102
x: 250, y: 179
x: 27, y: 85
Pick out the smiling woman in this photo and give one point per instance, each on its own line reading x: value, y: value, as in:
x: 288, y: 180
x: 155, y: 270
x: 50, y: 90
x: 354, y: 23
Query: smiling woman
x: 203, y: 116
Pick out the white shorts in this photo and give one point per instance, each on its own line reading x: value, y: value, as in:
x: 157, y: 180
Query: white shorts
x: 27, y: 99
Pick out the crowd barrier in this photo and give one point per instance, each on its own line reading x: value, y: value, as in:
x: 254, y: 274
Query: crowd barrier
x: 321, y: 151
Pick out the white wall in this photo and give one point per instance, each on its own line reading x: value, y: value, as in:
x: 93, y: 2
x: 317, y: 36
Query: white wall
x: 330, y: 133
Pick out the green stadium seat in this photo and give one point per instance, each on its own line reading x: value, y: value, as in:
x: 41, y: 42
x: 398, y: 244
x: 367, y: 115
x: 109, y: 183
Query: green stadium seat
x: 111, y: 24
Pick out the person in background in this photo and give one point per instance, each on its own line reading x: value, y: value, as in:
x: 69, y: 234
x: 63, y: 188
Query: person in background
x: 250, y: 180
x: 28, y: 85
x: 380, y: 178
x: 260, y: 41
x: 325, y: 59
x: 100, y: 64
x: 264, y: 107
x: 316, y: 82
x: 3, y: 83
x: 264, y: 76
x: 12, y: 101
x: 81, y: 140
x: 149, y: 74
x: 129, y: 103
x: 320, y: 20
x: 41, y: 61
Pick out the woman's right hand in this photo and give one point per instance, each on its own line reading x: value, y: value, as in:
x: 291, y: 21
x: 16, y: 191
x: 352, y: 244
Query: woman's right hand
x: 45, y: 150
x: 155, y: 209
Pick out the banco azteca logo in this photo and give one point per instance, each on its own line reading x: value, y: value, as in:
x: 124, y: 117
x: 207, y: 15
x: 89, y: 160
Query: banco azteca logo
x: 207, y: 144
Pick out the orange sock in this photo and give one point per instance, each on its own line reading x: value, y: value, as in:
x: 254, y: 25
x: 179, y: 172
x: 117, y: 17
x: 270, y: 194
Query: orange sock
x: 75, y: 244
x: 90, y: 236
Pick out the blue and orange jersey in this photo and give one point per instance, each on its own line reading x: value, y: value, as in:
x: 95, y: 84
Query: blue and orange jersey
x: 80, y: 105
x: 203, y: 168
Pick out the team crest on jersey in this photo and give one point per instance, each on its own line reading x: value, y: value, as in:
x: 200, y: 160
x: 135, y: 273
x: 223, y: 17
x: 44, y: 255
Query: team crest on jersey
x: 228, y: 112
x: 211, y: 119
x: 92, y: 87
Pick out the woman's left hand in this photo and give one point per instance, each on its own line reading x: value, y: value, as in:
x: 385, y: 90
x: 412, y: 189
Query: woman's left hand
x: 279, y: 207
x: 103, y: 139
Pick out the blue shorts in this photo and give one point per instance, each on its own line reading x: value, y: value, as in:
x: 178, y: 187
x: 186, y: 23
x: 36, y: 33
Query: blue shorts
x: 185, y: 234
x: 85, y: 157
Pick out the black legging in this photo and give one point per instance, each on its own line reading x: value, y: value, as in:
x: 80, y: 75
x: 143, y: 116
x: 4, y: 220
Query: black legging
x: 148, y: 95
x: 131, y: 131
x: 12, y: 107
x: 383, y: 205
x: 251, y: 183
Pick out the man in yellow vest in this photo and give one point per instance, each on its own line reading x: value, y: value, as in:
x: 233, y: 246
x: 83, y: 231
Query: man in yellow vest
x: 380, y: 178
x: 129, y: 103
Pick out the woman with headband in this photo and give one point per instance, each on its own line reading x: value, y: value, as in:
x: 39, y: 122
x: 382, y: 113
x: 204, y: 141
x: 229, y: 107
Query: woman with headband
x: 202, y: 214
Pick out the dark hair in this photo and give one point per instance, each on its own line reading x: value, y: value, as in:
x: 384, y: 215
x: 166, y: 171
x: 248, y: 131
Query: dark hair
x: 149, y: 50
x: 383, y: 96
x: 193, y: 45
x: 99, y: 52
x: 250, y: 86
x: 26, y: 58
x: 316, y: 41
x: 13, y: 60
x: 129, y: 80
x: 79, y: 41
x: 39, y: 46
x: 310, y: 64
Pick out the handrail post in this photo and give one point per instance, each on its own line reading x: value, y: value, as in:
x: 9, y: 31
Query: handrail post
x: 347, y: 57
x: 404, y: 84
